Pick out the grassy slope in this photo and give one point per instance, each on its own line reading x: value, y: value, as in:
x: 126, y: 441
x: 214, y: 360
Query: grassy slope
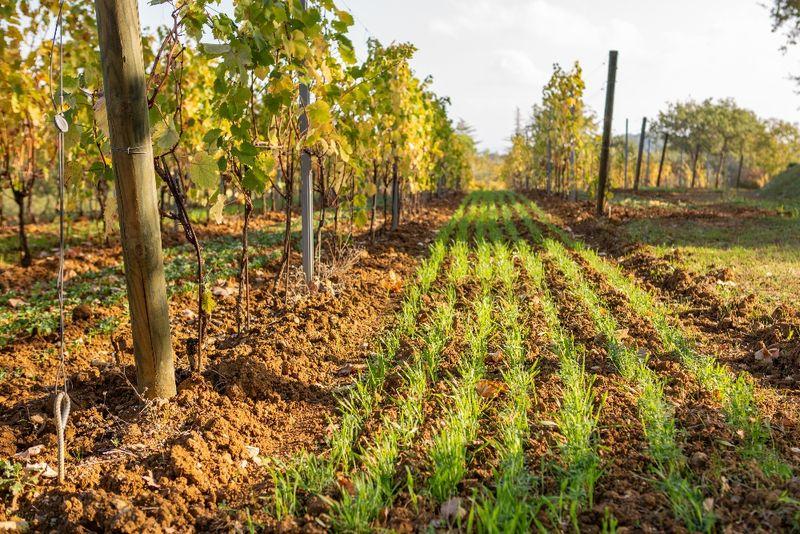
x: 785, y: 186
x: 763, y: 254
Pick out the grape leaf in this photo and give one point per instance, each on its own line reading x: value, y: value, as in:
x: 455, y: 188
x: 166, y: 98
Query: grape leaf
x: 203, y: 170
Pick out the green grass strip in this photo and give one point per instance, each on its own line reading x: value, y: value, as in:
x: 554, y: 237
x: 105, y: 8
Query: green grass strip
x: 448, y: 452
x: 510, y: 507
x: 374, y: 487
x: 735, y: 391
x: 577, y: 419
x: 655, y: 411
x: 312, y: 474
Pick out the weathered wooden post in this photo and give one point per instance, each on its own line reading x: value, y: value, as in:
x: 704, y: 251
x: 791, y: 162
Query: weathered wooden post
x: 663, y: 155
x: 607, y: 120
x: 132, y: 154
x: 639, y: 160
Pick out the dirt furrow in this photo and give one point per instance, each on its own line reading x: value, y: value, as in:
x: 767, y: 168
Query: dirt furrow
x: 626, y: 486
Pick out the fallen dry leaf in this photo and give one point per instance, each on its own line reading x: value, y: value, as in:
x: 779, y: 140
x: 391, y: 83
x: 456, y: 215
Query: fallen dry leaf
x: 489, y: 389
x: 16, y: 303
x: 43, y: 469
x: 346, y: 484
x: 9, y: 526
x: 30, y: 452
x: 148, y: 478
x: 393, y: 281
x: 708, y: 504
x: 345, y: 370
x: 767, y: 354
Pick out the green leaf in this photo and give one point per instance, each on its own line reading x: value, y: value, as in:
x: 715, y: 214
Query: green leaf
x: 208, y: 302
x: 164, y: 134
x: 216, y: 49
x: 169, y: 139
x: 249, y: 149
x: 347, y: 53
x: 203, y: 170
x: 318, y: 113
x: 212, y: 137
x: 254, y: 180
x: 345, y: 17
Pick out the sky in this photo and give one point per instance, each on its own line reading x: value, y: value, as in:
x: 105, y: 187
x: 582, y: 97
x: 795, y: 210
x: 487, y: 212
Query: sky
x: 494, y: 56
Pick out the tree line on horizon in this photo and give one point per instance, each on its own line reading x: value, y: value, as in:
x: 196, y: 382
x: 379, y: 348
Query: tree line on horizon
x: 713, y: 143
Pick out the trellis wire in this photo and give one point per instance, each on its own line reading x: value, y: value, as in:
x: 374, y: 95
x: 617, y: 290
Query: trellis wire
x: 62, y: 404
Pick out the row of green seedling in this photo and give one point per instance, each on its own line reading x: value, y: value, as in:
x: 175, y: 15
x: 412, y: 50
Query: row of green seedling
x: 313, y: 474
x: 448, y: 454
x: 577, y: 418
x: 510, y: 506
x: 577, y: 421
x: 736, y: 392
x: 372, y: 488
x: 655, y: 412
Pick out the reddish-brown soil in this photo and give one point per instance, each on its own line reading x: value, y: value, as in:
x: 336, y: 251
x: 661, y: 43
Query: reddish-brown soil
x: 702, y: 425
x: 196, y: 461
x: 739, y: 328
x: 626, y: 487
x: 731, y: 333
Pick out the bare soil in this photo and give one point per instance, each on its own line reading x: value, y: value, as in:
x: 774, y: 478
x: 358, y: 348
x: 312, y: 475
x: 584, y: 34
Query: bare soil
x: 196, y: 461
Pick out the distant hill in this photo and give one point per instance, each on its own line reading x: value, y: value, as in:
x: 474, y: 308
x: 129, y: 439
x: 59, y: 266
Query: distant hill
x: 786, y: 185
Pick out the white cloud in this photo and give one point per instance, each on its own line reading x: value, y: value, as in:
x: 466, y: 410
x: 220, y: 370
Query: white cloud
x: 443, y: 27
x: 516, y: 65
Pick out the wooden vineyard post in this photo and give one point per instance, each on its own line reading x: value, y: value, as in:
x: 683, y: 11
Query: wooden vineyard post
x: 306, y: 190
x: 639, y: 160
x: 607, y: 120
x: 661, y: 163
x: 132, y: 155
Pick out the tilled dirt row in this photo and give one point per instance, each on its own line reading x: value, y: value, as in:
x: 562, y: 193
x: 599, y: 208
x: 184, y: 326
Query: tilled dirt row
x: 196, y: 462
x: 736, y: 329
x: 625, y: 486
x: 742, y: 497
